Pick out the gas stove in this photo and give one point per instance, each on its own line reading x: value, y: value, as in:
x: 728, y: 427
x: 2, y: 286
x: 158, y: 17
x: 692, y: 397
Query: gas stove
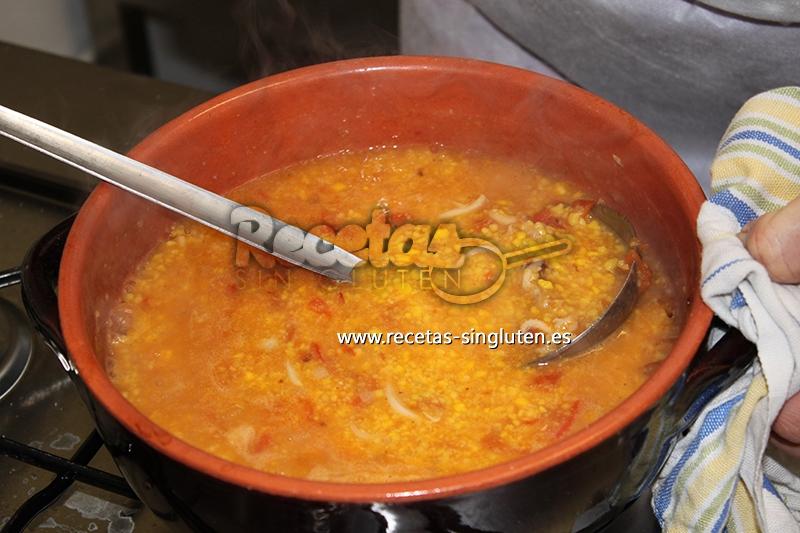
x: 42, y: 419
x: 55, y: 474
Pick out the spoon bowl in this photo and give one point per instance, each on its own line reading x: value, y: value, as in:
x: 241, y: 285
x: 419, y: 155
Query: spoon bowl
x: 621, y: 306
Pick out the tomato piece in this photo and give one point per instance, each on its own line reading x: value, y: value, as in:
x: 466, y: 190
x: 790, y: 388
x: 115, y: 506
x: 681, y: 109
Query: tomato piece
x: 584, y: 207
x: 260, y: 443
x: 398, y: 219
x: 645, y: 276
x: 492, y: 441
x: 572, y: 414
x: 319, y: 306
x: 305, y: 408
x: 644, y: 273
x: 549, y: 219
x: 316, y: 351
x: 356, y: 401
x: 546, y: 379
x: 481, y: 223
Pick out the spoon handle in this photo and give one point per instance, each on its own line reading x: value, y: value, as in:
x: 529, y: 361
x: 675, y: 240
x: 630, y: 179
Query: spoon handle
x: 274, y: 236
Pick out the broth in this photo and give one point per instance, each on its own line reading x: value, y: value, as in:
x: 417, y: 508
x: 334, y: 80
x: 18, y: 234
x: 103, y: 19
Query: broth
x: 243, y: 358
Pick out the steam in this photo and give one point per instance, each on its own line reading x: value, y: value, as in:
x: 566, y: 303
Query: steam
x: 284, y: 34
x: 280, y: 35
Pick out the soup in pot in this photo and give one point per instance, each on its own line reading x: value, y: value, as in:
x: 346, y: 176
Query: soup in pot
x: 413, y: 371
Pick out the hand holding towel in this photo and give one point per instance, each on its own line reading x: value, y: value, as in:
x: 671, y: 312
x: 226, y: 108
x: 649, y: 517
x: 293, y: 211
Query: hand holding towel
x: 718, y: 477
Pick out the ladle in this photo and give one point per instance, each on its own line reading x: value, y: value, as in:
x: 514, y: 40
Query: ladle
x: 253, y: 227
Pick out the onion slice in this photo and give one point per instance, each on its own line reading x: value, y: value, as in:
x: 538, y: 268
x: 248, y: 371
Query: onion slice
x: 464, y: 209
x: 535, y: 323
x: 432, y: 418
x: 469, y: 253
x: 293, y: 377
x: 270, y: 343
x: 360, y: 433
x: 502, y: 218
x: 530, y: 274
x: 397, y: 405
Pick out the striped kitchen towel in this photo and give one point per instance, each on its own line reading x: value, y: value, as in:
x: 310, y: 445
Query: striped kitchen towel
x: 718, y: 477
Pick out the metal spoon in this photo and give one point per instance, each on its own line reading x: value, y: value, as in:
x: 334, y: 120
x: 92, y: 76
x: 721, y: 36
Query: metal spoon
x: 255, y: 228
x: 622, y: 305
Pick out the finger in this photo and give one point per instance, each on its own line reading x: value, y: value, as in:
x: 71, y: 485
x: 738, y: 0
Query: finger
x: 792, y: 450
x: 745, y: 233
x: 774, y: 241
x: 787, y: 425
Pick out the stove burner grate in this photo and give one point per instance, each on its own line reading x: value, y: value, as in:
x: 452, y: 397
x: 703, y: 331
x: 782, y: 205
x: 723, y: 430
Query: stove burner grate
x: 16, y: 346
x: 67, y: 471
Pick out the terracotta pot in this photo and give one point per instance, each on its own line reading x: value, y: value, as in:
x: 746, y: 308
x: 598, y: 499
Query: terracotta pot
x: 567, y: 132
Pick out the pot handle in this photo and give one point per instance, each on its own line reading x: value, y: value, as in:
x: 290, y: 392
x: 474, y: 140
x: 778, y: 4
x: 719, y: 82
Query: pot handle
x: 39, y: 276
x: 713, y: 370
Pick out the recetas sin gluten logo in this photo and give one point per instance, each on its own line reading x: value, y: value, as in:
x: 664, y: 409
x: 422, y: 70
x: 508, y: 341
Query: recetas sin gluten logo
x: 441, y: 249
